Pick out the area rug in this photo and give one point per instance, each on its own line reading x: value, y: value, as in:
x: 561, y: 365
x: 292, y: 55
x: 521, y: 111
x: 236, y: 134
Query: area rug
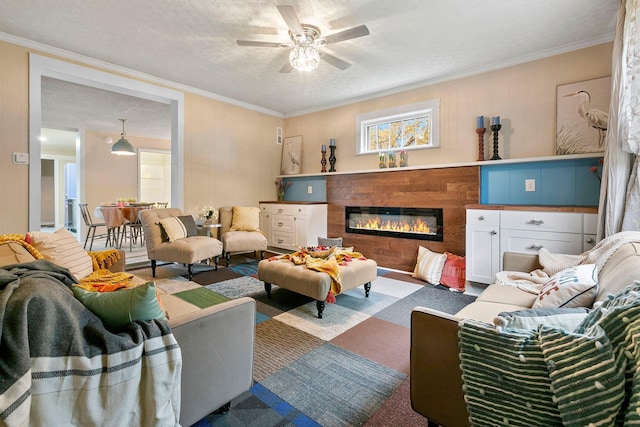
x: 348, y: 368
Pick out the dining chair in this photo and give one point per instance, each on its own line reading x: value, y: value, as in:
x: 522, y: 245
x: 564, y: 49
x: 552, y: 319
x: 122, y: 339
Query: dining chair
x: 132, y: 222
x: 92, y: 226
x: 161, y: 205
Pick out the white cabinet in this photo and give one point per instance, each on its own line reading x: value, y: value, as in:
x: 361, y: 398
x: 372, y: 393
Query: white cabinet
x: 291, y: 226
x: 491, y: 233
x: 482, y: 240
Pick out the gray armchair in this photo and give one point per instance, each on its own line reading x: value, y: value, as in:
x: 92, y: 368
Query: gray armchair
x: 188, y: 250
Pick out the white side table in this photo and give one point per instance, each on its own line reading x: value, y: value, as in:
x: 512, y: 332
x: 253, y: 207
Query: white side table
x: 209, y: 227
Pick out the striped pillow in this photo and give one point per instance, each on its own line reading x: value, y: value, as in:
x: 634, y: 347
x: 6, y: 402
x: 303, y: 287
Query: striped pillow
x: 429, y: 266
x: 62, y: 248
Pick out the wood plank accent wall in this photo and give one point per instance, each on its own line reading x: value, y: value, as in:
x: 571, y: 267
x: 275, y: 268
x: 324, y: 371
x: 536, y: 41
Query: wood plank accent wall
x: 447, y: 188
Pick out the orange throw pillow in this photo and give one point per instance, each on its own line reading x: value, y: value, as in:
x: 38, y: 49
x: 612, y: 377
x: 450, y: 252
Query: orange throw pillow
x: 454, y: 272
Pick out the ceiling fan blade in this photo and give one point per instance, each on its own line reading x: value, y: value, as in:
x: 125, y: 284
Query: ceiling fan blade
x: 350, y: 33
x: 258, y: 43
x: 290, y: 17
x: 286, y: 68
x: 336, y: 62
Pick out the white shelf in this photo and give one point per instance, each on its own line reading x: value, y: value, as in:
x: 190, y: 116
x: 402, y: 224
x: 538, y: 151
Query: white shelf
x: 453, y: 165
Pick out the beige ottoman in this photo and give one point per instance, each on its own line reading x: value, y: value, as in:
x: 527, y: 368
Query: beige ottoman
x: 315, y: 284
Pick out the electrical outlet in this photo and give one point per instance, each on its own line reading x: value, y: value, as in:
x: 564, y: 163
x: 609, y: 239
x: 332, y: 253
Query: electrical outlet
x: 309, y: 189
x: 529, y: 185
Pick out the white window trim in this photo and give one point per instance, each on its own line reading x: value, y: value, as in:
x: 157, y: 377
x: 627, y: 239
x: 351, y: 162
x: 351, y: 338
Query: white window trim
x: 430, y: 108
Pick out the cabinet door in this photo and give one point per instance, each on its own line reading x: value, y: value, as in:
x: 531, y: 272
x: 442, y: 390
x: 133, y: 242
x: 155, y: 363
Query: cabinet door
x: 265, y: 226
x: 300, y: 227
x: 483, y: 253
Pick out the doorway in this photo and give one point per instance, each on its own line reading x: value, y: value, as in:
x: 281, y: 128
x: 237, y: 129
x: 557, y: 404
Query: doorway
x: 41, y: 66
x: 154, y: 175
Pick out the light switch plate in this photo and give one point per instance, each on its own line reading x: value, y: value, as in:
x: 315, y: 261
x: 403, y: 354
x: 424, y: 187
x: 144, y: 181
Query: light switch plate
x: 21, y: 158
x: 529, y: 185
x: 310, y: 189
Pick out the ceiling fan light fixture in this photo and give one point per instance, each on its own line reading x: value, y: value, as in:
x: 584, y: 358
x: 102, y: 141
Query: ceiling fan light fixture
x: 123, y: 147
x: 304, y: 57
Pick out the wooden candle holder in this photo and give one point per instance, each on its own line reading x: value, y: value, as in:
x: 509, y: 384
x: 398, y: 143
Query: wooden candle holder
x: 480, y: 132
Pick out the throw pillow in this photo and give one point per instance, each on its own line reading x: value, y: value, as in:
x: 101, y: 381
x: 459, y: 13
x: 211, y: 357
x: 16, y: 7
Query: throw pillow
x: 13, y: 253
x: 566, y: 318
x: 62, y: 248
x: 245, y: 219
x: 118, y: 308
x: 572, y: 287
x: 189, y: 225
x: 429, y: 266
x: 330, y: 241
x: 454, y: 272
x: 174, y: 228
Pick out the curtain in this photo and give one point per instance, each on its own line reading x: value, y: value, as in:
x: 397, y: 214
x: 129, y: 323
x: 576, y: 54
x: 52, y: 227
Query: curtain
x: 620, y: 190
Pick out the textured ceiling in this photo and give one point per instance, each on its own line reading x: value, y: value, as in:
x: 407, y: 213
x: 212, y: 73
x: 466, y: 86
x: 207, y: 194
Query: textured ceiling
x: 411, y: 42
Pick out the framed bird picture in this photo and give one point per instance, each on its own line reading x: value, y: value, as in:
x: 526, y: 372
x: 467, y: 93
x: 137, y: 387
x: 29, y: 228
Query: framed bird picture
x: 582, y: 113
x: 291, y: 163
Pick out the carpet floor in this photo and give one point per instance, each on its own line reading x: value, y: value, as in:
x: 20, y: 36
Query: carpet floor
x: 350, y: 368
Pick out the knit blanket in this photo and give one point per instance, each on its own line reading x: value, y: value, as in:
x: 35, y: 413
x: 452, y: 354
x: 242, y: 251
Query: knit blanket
x: 61, y: 366
x: 550, y: 376
x: 552, y: 263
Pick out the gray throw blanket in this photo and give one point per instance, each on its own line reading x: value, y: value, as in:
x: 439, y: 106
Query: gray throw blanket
x: 61, y: 366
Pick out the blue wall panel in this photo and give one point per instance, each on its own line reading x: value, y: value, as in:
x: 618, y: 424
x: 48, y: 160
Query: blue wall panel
x: 298, y: 191
x: 499, y: 178
x: 557, y: 182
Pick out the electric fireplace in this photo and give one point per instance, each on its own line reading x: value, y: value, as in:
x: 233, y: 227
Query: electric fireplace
x: 408, y: 223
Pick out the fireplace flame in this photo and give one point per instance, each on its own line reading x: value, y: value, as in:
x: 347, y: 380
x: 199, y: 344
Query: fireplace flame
x: 416, y: 226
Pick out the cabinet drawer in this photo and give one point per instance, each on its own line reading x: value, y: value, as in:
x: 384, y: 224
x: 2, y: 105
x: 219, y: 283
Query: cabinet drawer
x: 532, y: 241
x: 563, y: 222
x: 282, y: 223
x: 483, y: 217
x: 283, y: 240
x: 284, y: 209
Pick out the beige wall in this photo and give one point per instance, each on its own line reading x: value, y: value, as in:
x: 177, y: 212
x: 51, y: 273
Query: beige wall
x: 108, y: 177
x: 14, y: 130
x: 524, y: 96
x: 231, y: 156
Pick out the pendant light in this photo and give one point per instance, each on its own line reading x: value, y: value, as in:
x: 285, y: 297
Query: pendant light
x: 123, y: 147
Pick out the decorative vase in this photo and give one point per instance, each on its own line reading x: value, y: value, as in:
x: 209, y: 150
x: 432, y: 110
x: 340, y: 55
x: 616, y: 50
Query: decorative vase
x: 280, y: 196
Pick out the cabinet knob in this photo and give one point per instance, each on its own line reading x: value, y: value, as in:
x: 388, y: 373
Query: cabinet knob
x: 280, y: 210
x: 535, y: 221
x: 280, y: 224
x: 494, y: 232
x: 536, y: 247
x: 481, y: 218
x: 590, y: 240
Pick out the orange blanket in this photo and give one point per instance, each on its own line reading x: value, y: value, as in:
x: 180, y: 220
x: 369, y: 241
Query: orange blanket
x: 329, y: 264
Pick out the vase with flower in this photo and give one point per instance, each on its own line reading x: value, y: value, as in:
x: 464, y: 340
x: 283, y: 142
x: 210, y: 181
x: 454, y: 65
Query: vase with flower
x: 281, y: 187
x: 403, y: 158
x: 209, y: 214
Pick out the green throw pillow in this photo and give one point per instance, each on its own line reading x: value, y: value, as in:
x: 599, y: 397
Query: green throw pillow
x: 118, y: 308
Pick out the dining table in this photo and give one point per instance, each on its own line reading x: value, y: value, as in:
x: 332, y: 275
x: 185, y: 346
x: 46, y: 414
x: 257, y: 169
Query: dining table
x: 115, y: 216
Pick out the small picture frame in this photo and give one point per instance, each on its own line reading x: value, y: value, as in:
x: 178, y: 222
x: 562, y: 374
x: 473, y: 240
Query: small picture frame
x: 291, y: 163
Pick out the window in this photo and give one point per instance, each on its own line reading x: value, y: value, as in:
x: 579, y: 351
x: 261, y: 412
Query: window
x: 409, y: 127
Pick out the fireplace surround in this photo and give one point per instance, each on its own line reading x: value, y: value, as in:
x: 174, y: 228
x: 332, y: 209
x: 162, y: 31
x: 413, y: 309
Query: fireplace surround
x: 408, y: 223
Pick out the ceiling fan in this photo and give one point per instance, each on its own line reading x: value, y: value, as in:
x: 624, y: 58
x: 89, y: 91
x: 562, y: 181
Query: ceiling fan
x: 305, y: 41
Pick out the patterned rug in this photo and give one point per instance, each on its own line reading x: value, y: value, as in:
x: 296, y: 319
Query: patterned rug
x: 341, y: 370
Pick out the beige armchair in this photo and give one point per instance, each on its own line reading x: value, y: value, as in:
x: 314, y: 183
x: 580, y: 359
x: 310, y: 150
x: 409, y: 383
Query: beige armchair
x: 239, y: 231
x: 185, y: 250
